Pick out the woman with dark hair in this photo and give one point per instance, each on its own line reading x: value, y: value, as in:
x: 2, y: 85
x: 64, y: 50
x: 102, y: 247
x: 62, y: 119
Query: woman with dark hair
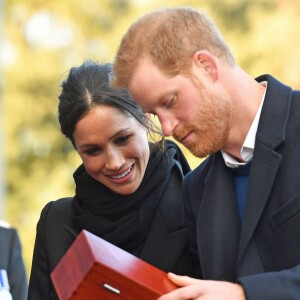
x: 128, y: 190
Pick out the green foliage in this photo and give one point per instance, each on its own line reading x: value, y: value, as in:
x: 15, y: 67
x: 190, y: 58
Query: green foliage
x: 39, y: 160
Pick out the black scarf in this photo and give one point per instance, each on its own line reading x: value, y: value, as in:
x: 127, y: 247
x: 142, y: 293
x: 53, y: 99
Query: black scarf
x: 125, y: 220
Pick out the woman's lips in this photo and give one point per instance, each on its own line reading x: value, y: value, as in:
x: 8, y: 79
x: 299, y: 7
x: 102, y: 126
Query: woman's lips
x: 123, y: 174
x: 122, y: 177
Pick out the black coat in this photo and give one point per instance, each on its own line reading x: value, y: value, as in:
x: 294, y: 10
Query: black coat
x: 264, y: 252
x: 165, y: 246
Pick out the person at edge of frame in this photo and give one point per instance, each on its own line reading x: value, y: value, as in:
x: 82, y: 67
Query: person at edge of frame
x: 11, y: 261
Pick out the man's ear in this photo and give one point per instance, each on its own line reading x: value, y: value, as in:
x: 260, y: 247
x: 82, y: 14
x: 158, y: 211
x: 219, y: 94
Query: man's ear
x: 207, y: 63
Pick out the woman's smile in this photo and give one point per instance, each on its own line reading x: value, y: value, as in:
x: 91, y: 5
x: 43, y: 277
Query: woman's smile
x: 125, y: 175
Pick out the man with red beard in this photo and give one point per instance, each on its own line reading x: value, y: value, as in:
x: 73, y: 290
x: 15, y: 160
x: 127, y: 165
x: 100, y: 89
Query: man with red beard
x: 243, y: 202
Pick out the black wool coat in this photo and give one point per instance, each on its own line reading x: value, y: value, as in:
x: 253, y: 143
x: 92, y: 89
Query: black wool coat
x: 262, y: 253
x: 165, y: 247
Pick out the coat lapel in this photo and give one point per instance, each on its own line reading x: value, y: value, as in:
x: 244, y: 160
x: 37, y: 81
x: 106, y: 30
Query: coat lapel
x: 265, y: 167
x: 266, y: 159
x: 218, y: 225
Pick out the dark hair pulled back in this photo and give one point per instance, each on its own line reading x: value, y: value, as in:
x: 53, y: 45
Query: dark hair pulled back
x: 88, y: 86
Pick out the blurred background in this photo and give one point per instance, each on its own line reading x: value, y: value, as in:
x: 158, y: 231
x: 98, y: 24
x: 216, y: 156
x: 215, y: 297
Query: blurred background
x: 40, y: 40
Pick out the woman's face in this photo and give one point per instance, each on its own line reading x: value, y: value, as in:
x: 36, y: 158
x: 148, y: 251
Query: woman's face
x: 113, y: 147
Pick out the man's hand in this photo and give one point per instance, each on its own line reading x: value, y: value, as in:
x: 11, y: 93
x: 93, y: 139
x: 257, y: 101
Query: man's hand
x: 195, y: 289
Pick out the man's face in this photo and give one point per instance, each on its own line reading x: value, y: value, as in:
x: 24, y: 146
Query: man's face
x: 196, y: 115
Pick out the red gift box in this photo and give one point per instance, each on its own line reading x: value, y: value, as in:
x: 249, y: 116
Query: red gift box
x: 93, y: 268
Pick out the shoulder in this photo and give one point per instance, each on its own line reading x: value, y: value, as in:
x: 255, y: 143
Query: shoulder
x: 6, y: 230
x: 200, y: 171
x: 55, y: 217
x: 56, y: 211
x: 4, y: 224
x: 194, y: 182
x: 9, y: 238
x: 275, y: 88
x: 58, y: 206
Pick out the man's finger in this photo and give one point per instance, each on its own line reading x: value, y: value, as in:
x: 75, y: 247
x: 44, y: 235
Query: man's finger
x: 181, y: 280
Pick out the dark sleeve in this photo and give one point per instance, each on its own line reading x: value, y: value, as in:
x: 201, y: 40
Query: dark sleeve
x: 280, y: 285
x: 40, y: 285
x: 16, y: 271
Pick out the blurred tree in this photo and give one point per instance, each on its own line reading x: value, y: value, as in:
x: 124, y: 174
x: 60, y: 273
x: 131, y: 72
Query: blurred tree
x: 44, y: 38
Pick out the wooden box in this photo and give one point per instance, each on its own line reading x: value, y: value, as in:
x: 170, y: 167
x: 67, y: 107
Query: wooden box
x: 92, y: 268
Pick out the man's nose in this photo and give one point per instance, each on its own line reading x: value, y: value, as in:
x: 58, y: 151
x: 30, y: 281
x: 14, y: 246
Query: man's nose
x: 168, y: 124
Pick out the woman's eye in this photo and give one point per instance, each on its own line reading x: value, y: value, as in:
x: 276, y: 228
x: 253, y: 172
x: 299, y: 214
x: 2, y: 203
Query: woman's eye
x: 122, y: 140
x: 92, y: 151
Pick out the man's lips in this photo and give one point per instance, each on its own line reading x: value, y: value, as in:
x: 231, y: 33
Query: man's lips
x: 185, y: 138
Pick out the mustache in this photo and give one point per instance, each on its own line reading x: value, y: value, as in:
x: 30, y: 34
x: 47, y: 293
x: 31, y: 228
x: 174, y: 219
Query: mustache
x: 180, y: 133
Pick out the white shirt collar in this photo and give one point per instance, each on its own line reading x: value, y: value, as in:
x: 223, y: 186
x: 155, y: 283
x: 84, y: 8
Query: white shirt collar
x: 249, y: 143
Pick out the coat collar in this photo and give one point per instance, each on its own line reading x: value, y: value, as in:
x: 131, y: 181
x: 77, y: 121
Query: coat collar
x: 275, y: 112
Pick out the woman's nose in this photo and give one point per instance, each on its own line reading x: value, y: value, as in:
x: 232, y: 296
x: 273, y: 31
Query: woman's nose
x: 114, y: 160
